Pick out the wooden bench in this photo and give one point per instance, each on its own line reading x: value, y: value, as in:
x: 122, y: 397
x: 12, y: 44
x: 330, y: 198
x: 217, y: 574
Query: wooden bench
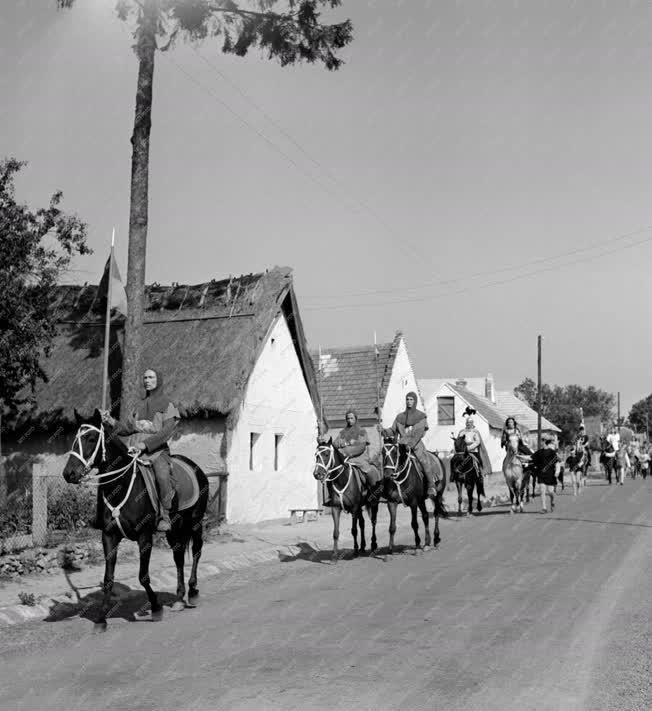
x: 304, y: 512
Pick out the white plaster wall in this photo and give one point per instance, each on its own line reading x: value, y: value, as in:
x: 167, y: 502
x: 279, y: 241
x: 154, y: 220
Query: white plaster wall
x: 276, y: 401
x: 438, y: 437
x: 402, y: 381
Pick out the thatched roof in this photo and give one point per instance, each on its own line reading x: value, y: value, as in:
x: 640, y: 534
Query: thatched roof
x: 204, y: 338
x: 349, y: 378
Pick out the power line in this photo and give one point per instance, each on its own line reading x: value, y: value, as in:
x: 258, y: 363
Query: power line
x: 477, y: 287
x: 487, y: 272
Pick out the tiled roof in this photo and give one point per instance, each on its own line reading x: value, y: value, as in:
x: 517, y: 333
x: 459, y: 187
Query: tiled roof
x: 348, y: 378
x: 527, y: 418
x: 486, y: 409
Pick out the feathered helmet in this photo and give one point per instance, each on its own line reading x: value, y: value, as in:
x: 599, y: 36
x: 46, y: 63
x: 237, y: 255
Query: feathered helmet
x: 470, y: 411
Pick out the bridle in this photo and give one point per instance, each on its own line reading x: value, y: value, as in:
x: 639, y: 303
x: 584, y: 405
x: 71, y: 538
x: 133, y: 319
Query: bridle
x: 101, y: 479
x: 398, y: 476
x: 331, y: 472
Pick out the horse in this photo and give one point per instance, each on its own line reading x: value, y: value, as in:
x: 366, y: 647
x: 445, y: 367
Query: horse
x: 465, y: 472
x: 404, y: 484
x: 516, y: 477
x: 622, y: 464
x: 333, y: 469
x: 128, y: 511
x: 576, y: 463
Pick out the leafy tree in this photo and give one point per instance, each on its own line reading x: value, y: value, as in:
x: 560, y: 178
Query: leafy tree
x: 640, y: 415
x: 562, y: 404
x: 37, y: 246
x: 292, y: 35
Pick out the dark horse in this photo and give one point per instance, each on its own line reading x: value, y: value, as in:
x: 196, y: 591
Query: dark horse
x: 347, y: 494
x: 465, y: 472
x: 608, y: 460
x: 129, y: 513
x: 404, y: 484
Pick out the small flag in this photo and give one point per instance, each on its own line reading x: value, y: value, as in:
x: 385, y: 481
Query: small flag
x: 117, y: 290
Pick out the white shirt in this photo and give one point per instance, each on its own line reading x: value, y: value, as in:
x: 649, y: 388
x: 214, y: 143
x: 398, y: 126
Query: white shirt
x: 614, y: 440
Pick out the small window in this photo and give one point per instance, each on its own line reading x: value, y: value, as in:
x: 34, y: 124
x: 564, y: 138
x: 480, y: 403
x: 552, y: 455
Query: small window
x: 253, y: 441
x: 445, y: 410
x: 278, y: 461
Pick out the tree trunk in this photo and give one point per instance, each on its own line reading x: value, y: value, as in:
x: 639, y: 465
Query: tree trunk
x: 146, y: 48
x: 3, y: 471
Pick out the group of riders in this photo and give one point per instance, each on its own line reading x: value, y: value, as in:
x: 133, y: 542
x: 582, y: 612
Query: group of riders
x: 149, y: 429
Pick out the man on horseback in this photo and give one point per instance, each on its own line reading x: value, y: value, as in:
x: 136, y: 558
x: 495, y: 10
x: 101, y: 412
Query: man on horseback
x: 149, y: 430
x: 582, y: 445
x: 411, y: 426
x: 472, y: 440
x: 352, y: 442
x: 510, y: 429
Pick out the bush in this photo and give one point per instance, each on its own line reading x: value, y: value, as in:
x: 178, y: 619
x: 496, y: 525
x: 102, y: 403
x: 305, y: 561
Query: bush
x: 70, y: 507
x: 16, y: 517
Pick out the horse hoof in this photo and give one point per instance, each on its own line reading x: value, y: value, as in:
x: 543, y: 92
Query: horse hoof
x: 178, y: 606
x: 99, y: 627
x: 143, y: 615
x: 426, y: 549
x: 193, y: 592
x: 157, y: 616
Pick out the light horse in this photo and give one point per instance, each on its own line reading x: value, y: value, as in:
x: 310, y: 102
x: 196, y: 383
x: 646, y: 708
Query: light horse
x: 129, y: 513
x: 516, y: 476
x: 465, y: 472
x: 404, y: 484
x: 622, y: 464
x: 334, y: 470
x: 576, y: 464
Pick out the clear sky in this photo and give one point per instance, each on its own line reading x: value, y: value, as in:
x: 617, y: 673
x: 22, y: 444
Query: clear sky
x: 460, y: 138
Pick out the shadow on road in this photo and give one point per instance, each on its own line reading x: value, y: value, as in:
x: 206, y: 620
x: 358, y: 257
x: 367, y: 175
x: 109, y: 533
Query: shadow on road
x: 314, y: 555
x: 591, y: 520
x: 125, y: 602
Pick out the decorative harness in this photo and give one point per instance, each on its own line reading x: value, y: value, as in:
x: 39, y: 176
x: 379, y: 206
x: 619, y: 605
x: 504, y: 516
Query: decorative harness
x: 100, y: 479
x: 330, y: 469
x: 395, y: 476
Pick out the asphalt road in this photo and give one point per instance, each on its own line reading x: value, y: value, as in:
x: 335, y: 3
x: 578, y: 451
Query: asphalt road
x: 524, y: 611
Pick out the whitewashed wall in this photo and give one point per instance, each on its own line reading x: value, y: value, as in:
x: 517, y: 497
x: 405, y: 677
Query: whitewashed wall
x: 402, y: 381
x: 276, y: 401
x: 438, y: 437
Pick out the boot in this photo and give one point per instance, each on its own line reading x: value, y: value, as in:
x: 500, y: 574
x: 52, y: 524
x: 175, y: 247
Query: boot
x: 164, y: 520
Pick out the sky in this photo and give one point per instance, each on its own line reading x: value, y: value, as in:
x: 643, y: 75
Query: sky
x: 476, y: 174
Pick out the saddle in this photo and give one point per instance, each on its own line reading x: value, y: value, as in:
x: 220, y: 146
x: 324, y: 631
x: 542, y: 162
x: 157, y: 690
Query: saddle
x: 184, y: 481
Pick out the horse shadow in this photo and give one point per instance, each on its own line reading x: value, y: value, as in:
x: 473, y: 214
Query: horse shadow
x: 125, y: 603
x: 311, y: 554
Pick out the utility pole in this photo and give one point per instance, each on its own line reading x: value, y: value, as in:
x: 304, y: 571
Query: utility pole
x: 618, y: 418
x: 539, y: 394
x: 647, y: 425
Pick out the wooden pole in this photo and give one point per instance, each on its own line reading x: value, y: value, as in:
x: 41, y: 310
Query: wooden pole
x: 539, y: 393
x: 618, y: 418
x: 378, y: 411
x: 107, y: 326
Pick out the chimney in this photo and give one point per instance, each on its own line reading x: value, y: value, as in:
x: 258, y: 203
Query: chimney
x: 461, y: 383
x: 489, y: 389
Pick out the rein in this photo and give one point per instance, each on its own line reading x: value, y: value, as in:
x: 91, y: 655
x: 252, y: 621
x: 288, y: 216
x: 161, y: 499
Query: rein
x: 99, y: 479
x: 330, y: 469
x: 393, y: 466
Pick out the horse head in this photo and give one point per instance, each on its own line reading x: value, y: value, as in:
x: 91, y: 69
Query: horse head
x: 512, y: 443
x: 459, y: 443
x: 88, y: 448
x: 326, y: 458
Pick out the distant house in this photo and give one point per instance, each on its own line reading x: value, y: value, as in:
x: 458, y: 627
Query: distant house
x: 349, y: 377
x: 445, y: 403
x: 235, y: 362
x: 446, y: 399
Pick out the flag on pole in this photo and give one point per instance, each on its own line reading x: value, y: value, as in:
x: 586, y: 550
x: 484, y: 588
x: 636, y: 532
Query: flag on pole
x: 115, y: 289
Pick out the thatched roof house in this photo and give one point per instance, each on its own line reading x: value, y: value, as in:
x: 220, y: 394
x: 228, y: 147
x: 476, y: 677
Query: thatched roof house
x: 235, y: 361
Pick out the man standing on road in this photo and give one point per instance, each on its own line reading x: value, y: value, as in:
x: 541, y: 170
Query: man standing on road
x: 546, y: 465
x: 614, y: 438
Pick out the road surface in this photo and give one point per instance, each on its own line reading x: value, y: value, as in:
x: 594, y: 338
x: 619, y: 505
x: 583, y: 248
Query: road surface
x: 524, y: 611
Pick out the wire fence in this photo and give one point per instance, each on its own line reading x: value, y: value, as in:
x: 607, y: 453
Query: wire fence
x: 53, y: 511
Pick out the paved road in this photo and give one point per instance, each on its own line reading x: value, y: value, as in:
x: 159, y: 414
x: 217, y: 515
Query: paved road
x: 527, y: 611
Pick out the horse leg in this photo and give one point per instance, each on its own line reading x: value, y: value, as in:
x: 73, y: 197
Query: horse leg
x: 363, y: 540
x: 415, y: 528
x: 145, y: 550
x: 479, y: 506
x: 469, y: 496
x: 335, y: 513
x: 373, y: 515
x: 110, y: 546
x: 178, y: 545
x: 438, y: 505
x: 197, y: 545
x: 425, y: 517
x: 392, y: 506
x: 354, y: 530
x: 458, y: 484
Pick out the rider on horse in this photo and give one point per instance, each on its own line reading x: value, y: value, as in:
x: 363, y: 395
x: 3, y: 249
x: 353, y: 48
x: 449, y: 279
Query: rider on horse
x: 411, y: 425
x: 148, y: 430
x: 472, y: 440
x: 352, y: 442
x: 509, y: 430
x: 582, y: 444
